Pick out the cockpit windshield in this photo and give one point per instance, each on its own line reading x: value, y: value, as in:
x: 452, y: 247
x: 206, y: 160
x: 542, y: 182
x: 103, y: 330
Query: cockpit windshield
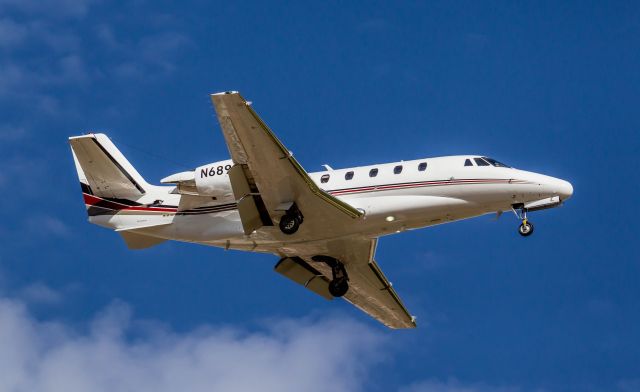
x: 495, y: 163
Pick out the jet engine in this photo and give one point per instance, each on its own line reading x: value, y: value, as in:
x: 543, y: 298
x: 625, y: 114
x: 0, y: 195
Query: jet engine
x: 210, y: 180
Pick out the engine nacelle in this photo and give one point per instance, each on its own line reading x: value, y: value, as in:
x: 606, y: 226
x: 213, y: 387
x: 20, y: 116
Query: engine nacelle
x: 210, y: 180
x: 213, y: 180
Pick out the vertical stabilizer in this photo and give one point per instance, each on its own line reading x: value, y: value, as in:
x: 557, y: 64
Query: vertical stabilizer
x: 103, y: 170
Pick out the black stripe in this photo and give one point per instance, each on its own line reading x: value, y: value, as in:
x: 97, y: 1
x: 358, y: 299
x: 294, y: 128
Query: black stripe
x: 126, y: 174
x: 208, y: 207
x: 86, y: 188
x: 462, y: 180
x: 204, y: 213
x: 126, y: 202
x: 97, y: 210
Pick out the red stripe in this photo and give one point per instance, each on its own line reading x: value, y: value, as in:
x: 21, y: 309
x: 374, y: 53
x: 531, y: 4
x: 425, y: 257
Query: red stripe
x: 425, y: 184
x: 114, y: 205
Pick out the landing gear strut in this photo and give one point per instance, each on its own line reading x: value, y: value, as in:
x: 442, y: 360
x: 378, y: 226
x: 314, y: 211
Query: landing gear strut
x: 526, y: 227
x: 290, y: 222
x: 339, y: 285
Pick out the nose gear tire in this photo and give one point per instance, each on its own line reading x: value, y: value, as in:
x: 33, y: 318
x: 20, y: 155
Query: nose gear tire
x: 525, y: 229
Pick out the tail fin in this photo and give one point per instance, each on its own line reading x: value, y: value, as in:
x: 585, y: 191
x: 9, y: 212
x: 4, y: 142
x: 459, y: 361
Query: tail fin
x: 103, y: 170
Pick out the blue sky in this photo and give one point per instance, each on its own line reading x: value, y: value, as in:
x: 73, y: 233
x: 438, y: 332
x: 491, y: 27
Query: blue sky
x: 547, y: 87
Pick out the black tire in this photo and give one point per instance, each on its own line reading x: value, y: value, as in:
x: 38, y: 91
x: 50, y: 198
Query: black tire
x: 525, y: 229
x: 338, y: 287
x: 289, y: 224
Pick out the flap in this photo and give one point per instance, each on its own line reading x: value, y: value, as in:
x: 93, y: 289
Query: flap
x: 302, y: 273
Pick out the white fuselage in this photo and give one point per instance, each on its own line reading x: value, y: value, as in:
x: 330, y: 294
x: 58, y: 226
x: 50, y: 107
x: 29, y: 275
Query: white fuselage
x: 392, y: 200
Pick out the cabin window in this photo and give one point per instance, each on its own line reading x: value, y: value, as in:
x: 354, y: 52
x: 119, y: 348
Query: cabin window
x: 324, y: 179
x: 467, y: 162
x: 481, y: 162
x: 397, y: 169
x: 373, y: 172
x: 495, y: 163
x: 422, y: 166
x: 348, y: 175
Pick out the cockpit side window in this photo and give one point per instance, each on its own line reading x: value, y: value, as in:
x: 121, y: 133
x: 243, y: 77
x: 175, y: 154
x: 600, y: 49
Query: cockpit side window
x: 467, y: 162
x: 495, y: 163
x: 324, y: 179
x: 481, y: 162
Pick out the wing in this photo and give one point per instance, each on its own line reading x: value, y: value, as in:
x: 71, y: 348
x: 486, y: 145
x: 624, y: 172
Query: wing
x: 369, y: 289
x: 270, y: 168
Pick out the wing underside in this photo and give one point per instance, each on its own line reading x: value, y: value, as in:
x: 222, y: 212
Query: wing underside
x: 369, y: 288
x: 273, y: 174
x: 267, y: 179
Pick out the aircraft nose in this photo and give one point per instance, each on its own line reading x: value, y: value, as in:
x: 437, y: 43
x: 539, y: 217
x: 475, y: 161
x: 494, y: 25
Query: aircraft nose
x: 564, y: 189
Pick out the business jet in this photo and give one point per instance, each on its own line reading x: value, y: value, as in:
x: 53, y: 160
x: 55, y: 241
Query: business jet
x: 324, y: 226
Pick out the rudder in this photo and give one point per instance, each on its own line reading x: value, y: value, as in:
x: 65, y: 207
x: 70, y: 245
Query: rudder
x: 103, y: 170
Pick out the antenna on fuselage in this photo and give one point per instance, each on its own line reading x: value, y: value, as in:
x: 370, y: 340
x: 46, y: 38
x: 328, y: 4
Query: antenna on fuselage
x: 327, y: 167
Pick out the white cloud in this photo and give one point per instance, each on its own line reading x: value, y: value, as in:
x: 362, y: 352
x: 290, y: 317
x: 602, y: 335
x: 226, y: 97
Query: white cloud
x: 49, y: 8
x: 12, y: 175
x: 10, y: 133
x: 11, y: 78
x: 373, y: 25
x: 631, y: 385
x: 152, y: 55
x: 38, y: 225
x: 72, y: 69
x: 290, y: 355
x: 454, y: 385
x: 11, y: 33
x: 39, y: 293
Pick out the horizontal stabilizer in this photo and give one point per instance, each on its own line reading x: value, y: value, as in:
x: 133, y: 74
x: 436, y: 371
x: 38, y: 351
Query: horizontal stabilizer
x: 139, y: 241
x: 142, y: 226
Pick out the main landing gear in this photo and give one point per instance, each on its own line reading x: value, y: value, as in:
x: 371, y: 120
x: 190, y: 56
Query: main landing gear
x: 290, y: 222
x: 339, y: 285
x: 526, y: 227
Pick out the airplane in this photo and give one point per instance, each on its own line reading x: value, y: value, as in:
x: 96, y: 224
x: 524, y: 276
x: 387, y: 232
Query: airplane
x: 324, y: 226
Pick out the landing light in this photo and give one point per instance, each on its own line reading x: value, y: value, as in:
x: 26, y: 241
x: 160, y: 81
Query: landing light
x: 390, y: 218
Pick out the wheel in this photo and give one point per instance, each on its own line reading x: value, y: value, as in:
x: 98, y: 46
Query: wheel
x: 289, y: 224
x: 525, y: 229
x: 338, y: 287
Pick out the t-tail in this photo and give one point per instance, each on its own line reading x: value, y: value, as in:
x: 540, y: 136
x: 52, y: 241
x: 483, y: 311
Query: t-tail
x: 110, y: 185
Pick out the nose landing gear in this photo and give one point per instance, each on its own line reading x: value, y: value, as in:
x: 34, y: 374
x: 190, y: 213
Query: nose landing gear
x: 526, y: 227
